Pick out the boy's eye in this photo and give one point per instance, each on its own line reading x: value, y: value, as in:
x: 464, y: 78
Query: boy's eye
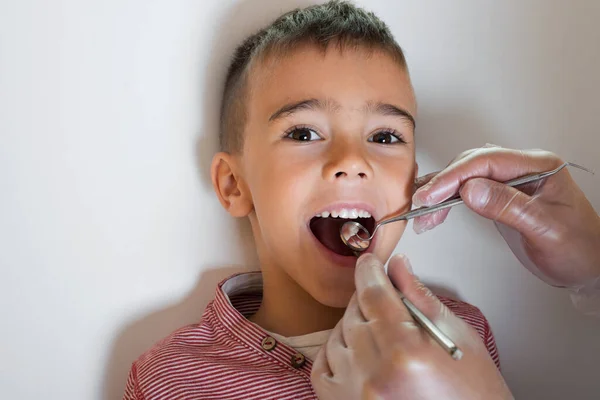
x: 303, y: 135
x: 385, y: 137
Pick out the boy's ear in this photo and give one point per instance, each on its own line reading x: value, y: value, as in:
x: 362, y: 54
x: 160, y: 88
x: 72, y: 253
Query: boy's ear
x: 228, y: 185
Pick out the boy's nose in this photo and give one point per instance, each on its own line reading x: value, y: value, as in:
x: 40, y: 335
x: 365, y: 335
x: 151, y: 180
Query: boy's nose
x: 347, y: 161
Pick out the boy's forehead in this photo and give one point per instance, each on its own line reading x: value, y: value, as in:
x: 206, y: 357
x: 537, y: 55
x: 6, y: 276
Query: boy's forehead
x: 350, y: 77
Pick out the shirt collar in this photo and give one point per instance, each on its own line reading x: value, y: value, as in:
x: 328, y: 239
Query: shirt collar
x: 243, y: 292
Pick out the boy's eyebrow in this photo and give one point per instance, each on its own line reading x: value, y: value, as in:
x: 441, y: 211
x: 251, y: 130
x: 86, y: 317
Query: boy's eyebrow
x: 316, y: 104
x: 389, y: 109
x: 310, y: 104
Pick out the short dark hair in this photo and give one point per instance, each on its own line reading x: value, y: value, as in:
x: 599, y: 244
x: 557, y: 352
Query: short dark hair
x: 335, y: 22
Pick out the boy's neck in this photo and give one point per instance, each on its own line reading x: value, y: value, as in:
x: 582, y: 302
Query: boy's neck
x: 288, y: 310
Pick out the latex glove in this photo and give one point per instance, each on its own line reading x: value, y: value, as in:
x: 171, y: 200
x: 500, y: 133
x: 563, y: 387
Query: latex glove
x: 377, y: 351
x: 550, y: 226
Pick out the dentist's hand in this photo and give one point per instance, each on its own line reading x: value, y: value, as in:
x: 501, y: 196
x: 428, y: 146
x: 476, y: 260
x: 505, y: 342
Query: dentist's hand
x: 377, y: 351
x: 551, y: 226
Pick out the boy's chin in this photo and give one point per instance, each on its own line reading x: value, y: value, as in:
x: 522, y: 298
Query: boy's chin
x: 337, y: 297
x: 336, y: 302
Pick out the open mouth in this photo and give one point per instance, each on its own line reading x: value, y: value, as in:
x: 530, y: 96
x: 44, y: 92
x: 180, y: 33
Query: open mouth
x: 326, y: 228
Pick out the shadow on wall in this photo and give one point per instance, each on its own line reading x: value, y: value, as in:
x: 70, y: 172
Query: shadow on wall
x: 444, y: 132
x: 245, y: 17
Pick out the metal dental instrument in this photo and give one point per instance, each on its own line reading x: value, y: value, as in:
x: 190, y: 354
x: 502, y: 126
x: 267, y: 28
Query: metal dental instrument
x: 447, y: 344
x: 357, y: 237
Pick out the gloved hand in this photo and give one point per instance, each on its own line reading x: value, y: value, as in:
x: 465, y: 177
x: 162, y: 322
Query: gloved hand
x: 550, y: 225
x: 377, y: 351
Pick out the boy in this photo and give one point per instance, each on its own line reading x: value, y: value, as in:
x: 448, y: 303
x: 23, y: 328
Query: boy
x: 317, y: 127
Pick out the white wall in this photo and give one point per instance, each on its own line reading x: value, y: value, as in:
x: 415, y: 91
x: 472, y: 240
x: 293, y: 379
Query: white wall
x: 110, y: 236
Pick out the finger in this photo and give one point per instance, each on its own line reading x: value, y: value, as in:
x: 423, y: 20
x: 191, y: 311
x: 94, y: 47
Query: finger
x: 455, y: 328
x: 400, y: 272
x: 506, y: 205
x: 322, y: 383
x: 494, y: 163
x: 353, y: 324
x: 377, y: 297
x: 336, y: 351
x: 320, y: 368
x: 471, y: 151
x: 430, y: 221
x: 385, y: 319
x: 363, y: 342
x: 423, y: 180
x: 321, y: 377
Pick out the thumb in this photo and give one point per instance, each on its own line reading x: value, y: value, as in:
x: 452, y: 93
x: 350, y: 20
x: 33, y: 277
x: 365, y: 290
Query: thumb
x: 400, y: 273
x: 504, y: 204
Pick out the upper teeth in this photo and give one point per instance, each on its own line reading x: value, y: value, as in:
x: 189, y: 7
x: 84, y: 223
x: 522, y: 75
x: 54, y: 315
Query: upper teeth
x: 348, y: 213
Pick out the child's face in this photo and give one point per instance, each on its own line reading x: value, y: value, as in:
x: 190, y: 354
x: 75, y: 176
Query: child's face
x: 350, y: 146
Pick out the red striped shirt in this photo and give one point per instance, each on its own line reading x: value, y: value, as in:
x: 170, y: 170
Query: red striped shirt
x: 222, y: 357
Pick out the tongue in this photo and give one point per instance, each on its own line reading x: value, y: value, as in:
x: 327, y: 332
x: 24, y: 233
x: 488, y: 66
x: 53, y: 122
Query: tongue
x: 327, y: 230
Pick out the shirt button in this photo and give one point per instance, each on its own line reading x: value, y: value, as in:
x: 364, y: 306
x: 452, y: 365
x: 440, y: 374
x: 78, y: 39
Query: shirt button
x: 298, y: 360
x: 268, y: 343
